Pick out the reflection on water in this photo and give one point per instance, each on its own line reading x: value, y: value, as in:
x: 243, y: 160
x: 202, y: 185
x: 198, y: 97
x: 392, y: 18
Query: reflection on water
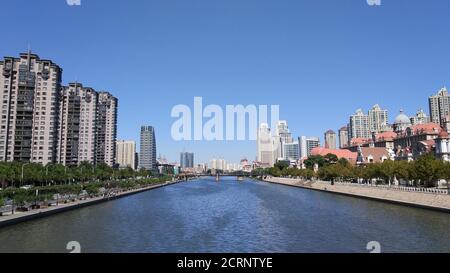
x: 232, y: 216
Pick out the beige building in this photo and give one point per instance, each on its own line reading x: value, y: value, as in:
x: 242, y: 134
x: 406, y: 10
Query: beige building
x: 87, y: 126
x: 378, y: 119
x: 29, y: 88
x: 330, y: 139
x: 439, y: 106
x: 343, y: 137
x: 126, y: 154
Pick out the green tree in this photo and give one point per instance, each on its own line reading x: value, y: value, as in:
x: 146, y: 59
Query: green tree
x: 331, y: 159
x: 387, y: 171
x: 429, y: 170
x: 314, y: 159
x: 404, y: 170
x: 281, y: 165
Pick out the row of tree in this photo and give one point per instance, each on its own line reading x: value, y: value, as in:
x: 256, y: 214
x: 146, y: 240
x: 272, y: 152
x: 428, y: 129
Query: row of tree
x: 20, y: 197
x: 426, y: 171
x: 17, y: 174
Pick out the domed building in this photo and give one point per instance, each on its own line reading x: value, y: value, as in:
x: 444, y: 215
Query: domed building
x: 402, y: 121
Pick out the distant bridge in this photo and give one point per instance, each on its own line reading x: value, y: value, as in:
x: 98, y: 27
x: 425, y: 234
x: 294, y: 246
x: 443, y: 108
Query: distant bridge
x: 239, y: 176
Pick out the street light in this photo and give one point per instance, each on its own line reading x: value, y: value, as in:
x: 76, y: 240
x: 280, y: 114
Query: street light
x: 65, y: 173
x: 21, y: 178
x: 46, y: 173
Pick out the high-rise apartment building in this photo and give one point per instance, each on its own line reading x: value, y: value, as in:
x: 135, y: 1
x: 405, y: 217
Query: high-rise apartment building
x: 343, y: 137
x: 439, y: 106
x: 126, y: 154
x: 378, y: 119
x: 77, y: 124
x: 186, y: 160
x: 29, y: 90
x: 359, y: 125
x: 330, y: 139
x: 87, y: 126
x: 106, y: 132
x: 147, y: 155
x: 43, y: 122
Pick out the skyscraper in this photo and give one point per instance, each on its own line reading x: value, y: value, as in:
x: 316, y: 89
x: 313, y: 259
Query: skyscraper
x: 439, y: 106
x: 266, y: 146
x: 147, y: 155
x: 186, y: 160
x: 343, y: 137
x: 306, y: 144
x: 77, y: 124
x: 282, y: 136
x: 106, y: 131
x: 291, y: 151
x: 330, y: 139
x: 126, y: 154
x: 378, y: 119
x: 30, y: 94
x: 359, y: 125
x: 87, y: 126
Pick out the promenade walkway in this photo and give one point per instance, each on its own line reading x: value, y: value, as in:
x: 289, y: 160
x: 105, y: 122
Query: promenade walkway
x: 425, y: 198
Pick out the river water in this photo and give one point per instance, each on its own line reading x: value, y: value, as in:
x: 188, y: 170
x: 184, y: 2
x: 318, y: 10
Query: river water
x: 232, y: 216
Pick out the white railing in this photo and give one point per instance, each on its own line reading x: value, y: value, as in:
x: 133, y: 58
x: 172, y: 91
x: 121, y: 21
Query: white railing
x: 397, y: 188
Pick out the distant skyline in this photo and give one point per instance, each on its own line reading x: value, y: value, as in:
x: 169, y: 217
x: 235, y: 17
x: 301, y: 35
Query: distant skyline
x: 320, y: 60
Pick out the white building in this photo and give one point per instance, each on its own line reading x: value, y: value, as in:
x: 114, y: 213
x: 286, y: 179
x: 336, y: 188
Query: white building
x: 267, y: 147
x: 291, y: 151
x: 306, y: 144
x: 359, y: 125
x: 443, y: 146
x: 378, y: 119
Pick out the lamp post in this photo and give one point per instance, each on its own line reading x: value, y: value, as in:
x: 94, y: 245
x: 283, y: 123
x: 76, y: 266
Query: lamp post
x: 65, y: 173
x: 12, y: 204
x: 21, y: 177
x: 46, y: 174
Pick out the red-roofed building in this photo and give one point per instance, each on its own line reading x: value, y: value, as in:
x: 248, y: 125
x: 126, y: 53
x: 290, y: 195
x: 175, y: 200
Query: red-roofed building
x: 374, y: 155
x: 416, y: 140
x: 340, y: 153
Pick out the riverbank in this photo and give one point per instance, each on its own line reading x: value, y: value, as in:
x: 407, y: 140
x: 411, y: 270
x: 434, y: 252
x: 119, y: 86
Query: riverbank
x: 19, y: 217
x: 433, y: 201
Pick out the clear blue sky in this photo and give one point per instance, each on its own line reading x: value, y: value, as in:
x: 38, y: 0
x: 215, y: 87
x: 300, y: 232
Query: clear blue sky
x: 319, y: 60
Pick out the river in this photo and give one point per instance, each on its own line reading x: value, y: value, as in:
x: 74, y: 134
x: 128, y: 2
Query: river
x: 232, y: 216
